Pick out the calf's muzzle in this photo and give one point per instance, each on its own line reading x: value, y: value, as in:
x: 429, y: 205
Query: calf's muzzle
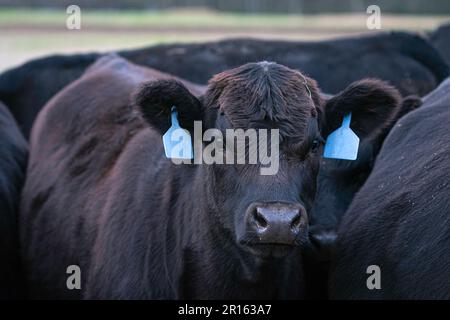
x: 276, y: 222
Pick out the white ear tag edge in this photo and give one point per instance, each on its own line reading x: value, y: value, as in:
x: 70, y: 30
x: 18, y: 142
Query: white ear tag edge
x: 177, y: 141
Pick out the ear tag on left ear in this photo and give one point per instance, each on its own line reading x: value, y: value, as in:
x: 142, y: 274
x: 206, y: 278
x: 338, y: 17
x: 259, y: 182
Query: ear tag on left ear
x: 177, y: 141
x: 343, y: 143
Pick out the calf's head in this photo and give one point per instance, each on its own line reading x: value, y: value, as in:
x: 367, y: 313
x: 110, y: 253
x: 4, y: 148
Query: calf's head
x: 266, y: 215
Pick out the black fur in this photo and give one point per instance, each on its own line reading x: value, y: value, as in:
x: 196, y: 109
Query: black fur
x: 399, y: 220
x: 441, y: 41
x: 13, y: 160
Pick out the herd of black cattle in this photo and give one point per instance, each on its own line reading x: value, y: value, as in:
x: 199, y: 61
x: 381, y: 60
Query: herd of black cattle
x: 91, y: 187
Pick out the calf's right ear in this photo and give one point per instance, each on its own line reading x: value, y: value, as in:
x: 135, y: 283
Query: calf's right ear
x: 155, y: 100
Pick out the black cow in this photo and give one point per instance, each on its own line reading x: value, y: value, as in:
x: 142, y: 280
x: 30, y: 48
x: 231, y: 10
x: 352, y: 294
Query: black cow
x: 406, y: 60
x: 337, y: 183
x: 100, y: 193
x: 13, y: 157
x: 399, y: 220
x: 441, y: 40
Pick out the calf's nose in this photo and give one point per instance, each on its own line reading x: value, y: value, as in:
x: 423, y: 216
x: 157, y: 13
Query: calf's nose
x: 276, y: 223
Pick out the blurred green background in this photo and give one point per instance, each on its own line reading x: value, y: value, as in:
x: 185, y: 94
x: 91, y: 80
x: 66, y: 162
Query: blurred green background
x: 29, y: 29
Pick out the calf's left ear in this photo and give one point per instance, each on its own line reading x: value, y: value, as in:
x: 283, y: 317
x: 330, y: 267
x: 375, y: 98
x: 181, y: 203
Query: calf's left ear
x: 373, y: 103
x: 155, y: 100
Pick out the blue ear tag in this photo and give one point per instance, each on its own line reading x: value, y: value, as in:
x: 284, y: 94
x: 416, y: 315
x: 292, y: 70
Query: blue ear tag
x: 177, y: 141
x: 343, y: 143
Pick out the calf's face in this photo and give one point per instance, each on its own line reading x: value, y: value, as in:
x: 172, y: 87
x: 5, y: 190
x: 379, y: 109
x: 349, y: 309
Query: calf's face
x: 266, y: 215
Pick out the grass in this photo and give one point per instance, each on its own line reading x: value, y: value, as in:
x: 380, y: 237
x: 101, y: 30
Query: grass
x: 26, y: 34
x: 209, y: 19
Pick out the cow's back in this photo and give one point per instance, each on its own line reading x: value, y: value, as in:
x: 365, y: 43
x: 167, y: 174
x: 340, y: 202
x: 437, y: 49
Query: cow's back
x: 441, y: 40
x: 407, y: 60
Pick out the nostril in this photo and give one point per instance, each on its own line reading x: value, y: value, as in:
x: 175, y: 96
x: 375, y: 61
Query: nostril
x: 261, y: 222
x: 295, y: 224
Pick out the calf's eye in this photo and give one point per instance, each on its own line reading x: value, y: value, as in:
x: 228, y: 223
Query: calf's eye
x: 315, y: 145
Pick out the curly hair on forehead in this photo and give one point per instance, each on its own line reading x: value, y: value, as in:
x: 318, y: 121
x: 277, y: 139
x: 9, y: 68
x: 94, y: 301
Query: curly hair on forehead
x: 265, y: 94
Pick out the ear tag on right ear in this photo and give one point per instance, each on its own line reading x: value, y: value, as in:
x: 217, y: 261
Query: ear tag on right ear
x: 177, y: 141
x: 343, y: 143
